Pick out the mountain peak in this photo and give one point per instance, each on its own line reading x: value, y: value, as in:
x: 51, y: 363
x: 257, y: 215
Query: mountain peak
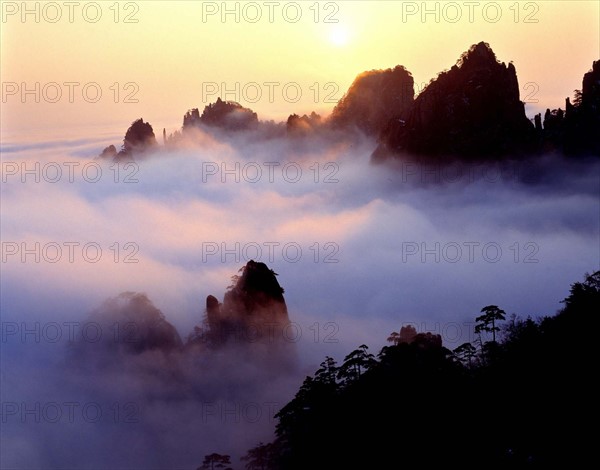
x: 253, y: 308
x: 375, y: 97
x: 471, y: 111
x: 478, y: 54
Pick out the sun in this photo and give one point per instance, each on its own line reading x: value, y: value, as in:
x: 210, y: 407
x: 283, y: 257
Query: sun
x: 339, y: 36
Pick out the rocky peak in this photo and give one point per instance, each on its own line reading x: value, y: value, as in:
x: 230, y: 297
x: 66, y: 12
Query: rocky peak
x: 374, y: 98
x: 139, y: 138
x: 471, y: 111
x: 478, y: 55
x: 257, y: 279
x: 253, y: 308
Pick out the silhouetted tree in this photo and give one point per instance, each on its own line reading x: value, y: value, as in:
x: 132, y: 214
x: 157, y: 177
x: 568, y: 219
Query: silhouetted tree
x: 465, y: 352
x: 215, y: 461
x: 487, y: 321
x: 407, y: 334
x: 261, y: 457
x: 394, y: 338
x: 355, y: 363
x: 327, y: 372
x: 584, y: 294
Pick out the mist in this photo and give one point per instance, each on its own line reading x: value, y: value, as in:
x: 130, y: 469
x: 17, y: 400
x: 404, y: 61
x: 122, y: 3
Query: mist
x: 360, y: 248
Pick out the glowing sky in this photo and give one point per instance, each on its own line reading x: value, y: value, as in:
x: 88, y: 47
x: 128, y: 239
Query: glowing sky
x: 174, y: 50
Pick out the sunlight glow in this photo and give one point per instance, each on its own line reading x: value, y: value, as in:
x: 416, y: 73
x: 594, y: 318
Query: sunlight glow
x: 339, y: 36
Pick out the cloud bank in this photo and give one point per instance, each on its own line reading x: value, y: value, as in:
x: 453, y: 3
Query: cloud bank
x: 360, y: 250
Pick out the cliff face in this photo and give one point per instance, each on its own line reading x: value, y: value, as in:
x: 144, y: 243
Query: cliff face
x: 587, y: 115
x: 373, y: 99
x: 591, y: 87
x: 471, y: 111
x: 576, y: 130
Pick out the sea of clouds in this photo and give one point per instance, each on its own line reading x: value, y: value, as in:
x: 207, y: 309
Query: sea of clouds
x: 360, y: 249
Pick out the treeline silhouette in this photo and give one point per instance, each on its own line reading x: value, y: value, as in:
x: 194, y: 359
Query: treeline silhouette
x: 520, y: 395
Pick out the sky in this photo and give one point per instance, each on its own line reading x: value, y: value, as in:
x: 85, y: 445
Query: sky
x: 112, y: 63
x: 360, y: 249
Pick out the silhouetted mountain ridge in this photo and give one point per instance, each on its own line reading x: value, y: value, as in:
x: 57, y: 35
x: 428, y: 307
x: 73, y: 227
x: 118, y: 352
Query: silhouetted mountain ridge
x: 470, y: 112
x: 516, y: 402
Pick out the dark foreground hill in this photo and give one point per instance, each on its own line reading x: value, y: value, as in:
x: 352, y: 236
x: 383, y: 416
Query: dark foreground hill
x: 522, y: 401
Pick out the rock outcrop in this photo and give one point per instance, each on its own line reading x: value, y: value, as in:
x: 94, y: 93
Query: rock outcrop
x: 139, y: 138
x: 576, y: 129
x: 471, y: 111
x: 408, y: 335
x: 227, y: 115
x: 373, y: 99
x: 109, y: 152
x: 252, y: 321
x: 253, y: 310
